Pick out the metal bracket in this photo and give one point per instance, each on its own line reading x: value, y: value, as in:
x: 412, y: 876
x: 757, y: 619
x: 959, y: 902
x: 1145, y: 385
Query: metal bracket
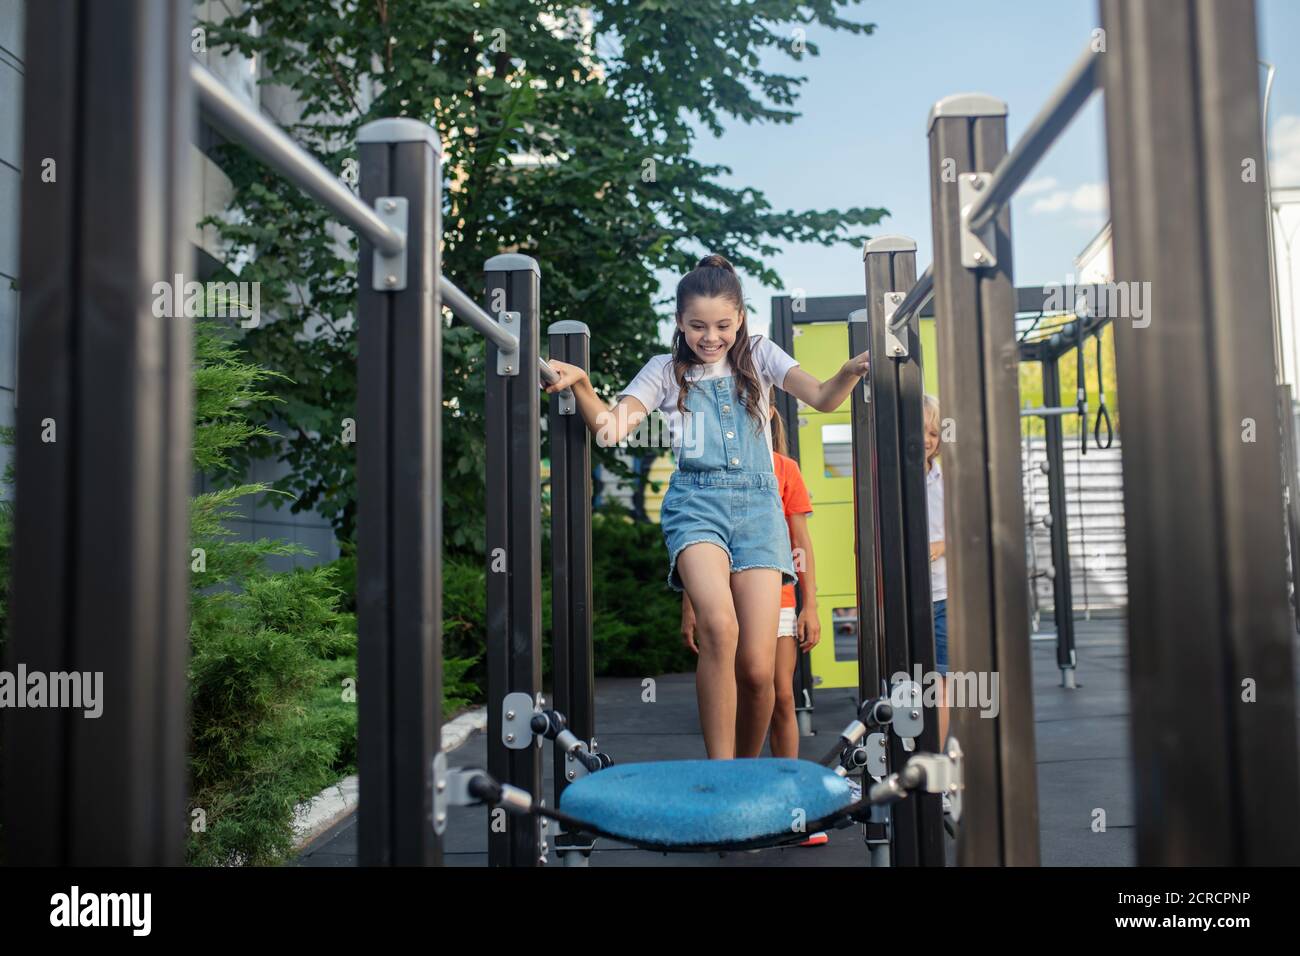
x: 877, y: 762
x: 977, y: 249
x: 451, y: 789
x: 389, y: 271
x: 516, y: 721
x: 895, y: 347
x: 508, y: 362
x: 909, y: 716
x: 440, y: 785
x: 574, y: 769
x: 567, y: 405
x: 943, y: 774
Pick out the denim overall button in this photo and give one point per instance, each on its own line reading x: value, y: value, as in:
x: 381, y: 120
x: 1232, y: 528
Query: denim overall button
x: 731, y: 434
x: 735, y: 461
x: 726, y: 408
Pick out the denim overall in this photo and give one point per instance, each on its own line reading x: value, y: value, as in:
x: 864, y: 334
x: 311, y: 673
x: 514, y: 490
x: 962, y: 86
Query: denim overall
x: 724, y: 490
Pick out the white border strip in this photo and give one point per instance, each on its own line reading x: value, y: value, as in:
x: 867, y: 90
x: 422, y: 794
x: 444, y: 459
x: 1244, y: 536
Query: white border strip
x: 313, y: 817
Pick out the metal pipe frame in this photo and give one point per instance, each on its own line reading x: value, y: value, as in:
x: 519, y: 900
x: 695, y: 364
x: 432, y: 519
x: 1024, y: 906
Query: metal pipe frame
x: 1211, y: 651
x: 983, y: 506
x: 574, y: 671
x: 512, y: 413
x: 918, y: 296
x: 103, y: 438
x: 399, y: 499
x: 897, y: 419
x: 873, y: 670
x: 274, y: 147
x: 1054, y: 411
x: 1059, y: 529
x: 1057, y: 113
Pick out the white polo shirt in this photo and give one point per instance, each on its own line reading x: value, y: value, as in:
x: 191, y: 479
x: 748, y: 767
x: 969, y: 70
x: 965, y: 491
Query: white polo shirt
x: 655, y: 386
x: 934, y: 509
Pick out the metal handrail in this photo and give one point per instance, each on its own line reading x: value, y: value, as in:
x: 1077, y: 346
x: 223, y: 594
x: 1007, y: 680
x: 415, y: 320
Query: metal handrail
x: 478, y: 318
x: 273, y: 145
x: 1065, y: 102
x: 914, y: 301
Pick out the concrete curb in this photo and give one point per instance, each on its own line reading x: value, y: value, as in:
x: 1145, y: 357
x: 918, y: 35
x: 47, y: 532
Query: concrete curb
x: 313, y: 817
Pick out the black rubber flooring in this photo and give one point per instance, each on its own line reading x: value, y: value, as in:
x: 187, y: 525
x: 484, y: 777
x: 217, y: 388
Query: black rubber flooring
x: 1083, y: 765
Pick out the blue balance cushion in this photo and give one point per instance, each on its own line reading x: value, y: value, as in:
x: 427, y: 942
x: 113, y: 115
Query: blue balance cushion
x: 706, y: 802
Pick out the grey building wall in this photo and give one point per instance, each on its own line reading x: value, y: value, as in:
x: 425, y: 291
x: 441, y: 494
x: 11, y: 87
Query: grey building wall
x: 210, y: 194
x: 1095, y: 523
x: 260, y: 520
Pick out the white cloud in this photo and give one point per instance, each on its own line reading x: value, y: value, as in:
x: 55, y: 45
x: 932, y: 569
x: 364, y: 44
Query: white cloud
x: 1087, y: 197
x: 1037, y: 186
x: 1284, y: 158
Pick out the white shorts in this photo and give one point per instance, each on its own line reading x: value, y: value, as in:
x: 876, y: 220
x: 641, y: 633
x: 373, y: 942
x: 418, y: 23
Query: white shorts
x: 785, y: 626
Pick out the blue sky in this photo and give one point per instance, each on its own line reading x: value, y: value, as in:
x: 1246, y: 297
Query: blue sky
x: 861, y: 140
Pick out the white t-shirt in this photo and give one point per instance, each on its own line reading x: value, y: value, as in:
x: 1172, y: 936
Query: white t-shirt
x: 656, y: 387
x: 934, y: 511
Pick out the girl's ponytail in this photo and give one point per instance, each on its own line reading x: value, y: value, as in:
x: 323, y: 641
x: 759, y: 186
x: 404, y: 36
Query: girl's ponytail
x: 779, y: 443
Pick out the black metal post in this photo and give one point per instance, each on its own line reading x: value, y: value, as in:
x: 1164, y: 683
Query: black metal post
x: 873, y: 670
x: 101, y: 556
x: 1210, y: 636
x: 514, y: 549
x: 983, y: 506
x: 787, y: 406
x: 1058, y: 524
x: 571, y: 561
x: 399, y: 517
x: 898, y: 418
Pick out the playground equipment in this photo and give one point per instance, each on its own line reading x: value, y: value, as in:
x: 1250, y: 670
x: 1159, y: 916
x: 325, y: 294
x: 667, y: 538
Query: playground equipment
x: 1216, y: 775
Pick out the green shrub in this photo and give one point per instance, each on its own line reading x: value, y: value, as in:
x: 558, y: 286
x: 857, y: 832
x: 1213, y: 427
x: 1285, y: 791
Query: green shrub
x: 636, y: 629
x: 272, y: 721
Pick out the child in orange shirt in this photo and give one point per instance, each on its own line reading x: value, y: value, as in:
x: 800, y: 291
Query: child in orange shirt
x: 805, y: 631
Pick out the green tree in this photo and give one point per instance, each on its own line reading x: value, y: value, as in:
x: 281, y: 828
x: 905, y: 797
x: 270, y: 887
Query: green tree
x: 567, y: 131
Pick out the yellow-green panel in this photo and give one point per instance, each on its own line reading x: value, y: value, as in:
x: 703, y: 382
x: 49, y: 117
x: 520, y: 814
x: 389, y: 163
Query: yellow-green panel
x: 822, y: 348
x: 929, y: 356
x: 827, y: 467
x: 828, y: 671
x: 831, y: 529
x: 661, y: 469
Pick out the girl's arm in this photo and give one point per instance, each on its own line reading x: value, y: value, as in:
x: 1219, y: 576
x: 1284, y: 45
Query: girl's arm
x: 809, y: 624
x: 801, y: 541
x: 826, y: 396
x: 609, y: 425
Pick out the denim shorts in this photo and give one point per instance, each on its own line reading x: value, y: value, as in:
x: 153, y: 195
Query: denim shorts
x: 740, y: 512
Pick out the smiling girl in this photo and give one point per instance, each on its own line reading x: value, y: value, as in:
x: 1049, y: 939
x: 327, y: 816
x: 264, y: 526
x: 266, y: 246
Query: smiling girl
x: 723, y: 523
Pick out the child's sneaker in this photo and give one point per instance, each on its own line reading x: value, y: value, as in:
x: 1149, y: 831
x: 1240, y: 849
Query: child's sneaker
x: 817, y: 839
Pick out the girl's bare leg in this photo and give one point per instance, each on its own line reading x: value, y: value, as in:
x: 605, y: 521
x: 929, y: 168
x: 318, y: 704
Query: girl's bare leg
x: 785, y: 727
x: 704, y: 569
x: 756, y: 594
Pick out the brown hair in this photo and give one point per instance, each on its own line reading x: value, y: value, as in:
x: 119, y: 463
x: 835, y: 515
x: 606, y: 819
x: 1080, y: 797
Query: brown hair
x: 714, y: 277
x: 779, y: 443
